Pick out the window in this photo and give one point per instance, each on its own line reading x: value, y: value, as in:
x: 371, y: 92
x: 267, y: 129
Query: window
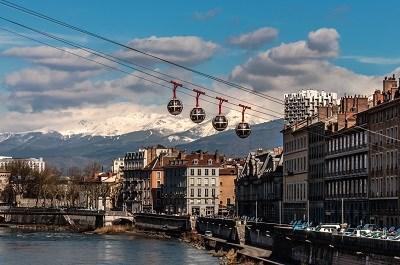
x: 191, y: 181
x: 158, y: 175
x: 199, y: 172
x: 210, y: 161
x: 213, y: 192
x: 228, y: 201
x: 195, y: 161
x: 199, y: 192
x: 213, y: 182
x: 192, y: 172
x: 206, y: 192
x: 191, y: 192
x: 206, y: 182
x: 158, y: 184
x: 206, y: 172
x: 199, y: 182
x: 213, y: 172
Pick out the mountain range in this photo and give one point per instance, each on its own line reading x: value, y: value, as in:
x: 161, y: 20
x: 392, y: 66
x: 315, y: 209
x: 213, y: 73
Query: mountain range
x: 67, y: 149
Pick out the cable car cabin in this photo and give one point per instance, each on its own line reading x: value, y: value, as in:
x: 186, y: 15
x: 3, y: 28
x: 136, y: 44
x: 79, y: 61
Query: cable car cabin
x: 175, y: 106
x: 197, y: 115
x: 243, y: 130
x: 220, y: 123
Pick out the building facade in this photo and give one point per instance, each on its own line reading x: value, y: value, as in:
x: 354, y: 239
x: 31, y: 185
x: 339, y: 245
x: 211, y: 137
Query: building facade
x: 346, y: 177
x: 5, y: 177
x: 305, y: 103
x: 227, y: 199
x: 346, y: 165
x: 141, y: 170
x: 295, y: 172
x: 383, y: 122
x: 36, y: 164
x: 118, y: 165
x: 192, y: 184
x: 316, y: 158
x: 259, y: 186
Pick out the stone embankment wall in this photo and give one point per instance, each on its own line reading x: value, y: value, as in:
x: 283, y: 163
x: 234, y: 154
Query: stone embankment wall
x: 166, y: 223
x: 221, y: 228
x: 80, y: 221
x: 301, y: 247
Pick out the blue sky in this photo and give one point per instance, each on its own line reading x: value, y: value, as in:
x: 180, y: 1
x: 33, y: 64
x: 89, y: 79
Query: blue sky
x: 354, y: 45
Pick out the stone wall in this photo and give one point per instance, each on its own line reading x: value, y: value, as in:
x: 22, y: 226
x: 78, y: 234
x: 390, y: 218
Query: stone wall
x: 163, y: 222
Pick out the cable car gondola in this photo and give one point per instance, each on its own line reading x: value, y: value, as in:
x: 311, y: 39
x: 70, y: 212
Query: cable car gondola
x: 175, y: 106
x: 243, y: 129
x: 220, y: 122
x: 197, y: 114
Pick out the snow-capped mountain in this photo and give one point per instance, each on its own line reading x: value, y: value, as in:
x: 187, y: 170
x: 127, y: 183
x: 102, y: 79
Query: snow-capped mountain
x: 162, y: 123
x: 89, y: 141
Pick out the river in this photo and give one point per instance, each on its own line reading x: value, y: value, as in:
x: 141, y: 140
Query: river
x: 79, y: 249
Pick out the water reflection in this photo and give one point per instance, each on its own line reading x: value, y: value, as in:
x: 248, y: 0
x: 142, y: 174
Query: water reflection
x: 71, y: 249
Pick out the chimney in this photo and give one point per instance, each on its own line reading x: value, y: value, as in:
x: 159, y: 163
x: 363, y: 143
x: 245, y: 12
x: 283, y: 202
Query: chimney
x: 201, y: 155
x: 389, y: 83
x: 217, y: 160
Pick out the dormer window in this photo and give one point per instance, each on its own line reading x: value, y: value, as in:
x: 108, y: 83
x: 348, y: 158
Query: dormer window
x: 210, y: 162
x: 195, y: 161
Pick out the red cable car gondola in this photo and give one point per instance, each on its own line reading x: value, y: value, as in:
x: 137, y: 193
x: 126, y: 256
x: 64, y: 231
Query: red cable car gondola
x: 197, y: 114
x: 243, y: 129
x: 175, y: 106
x: 220, y: 122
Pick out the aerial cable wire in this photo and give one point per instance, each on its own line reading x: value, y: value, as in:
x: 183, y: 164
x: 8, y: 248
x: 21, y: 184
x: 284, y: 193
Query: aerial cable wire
x: 121, y: 70
x: 162, y: 85
x: 112, y: 58
x: 59, y: 22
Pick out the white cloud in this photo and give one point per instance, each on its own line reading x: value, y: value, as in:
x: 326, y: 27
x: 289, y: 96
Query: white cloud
x: 42, y: 78
x: 187, y: 50
x: 302, y: 65
x: 324, y: 40
x: 255, y: 39
x: 56, y: 59
x: 372, y: 59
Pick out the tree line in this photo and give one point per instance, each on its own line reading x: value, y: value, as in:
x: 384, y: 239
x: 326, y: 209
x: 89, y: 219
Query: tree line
x: 49, y: 188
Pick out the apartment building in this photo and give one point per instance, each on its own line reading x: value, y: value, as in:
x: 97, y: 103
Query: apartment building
x: 383, y: 121
x: 259, y: 186
x: 295, y: 171
x: 227, y: 176
x: 192, y: 184
x: 4, y: 181
x: 346, y: 164
x: 36, y: 164
x: 305, y: 103
x: 143, y: 177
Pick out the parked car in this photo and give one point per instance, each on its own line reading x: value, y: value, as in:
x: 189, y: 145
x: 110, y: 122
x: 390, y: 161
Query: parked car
x: 350, y: 232
x: 329, y: 228
x: 370, y: 227
x: 391, y: 231
x: 208, y: 233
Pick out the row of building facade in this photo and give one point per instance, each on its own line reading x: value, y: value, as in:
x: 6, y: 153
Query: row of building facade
x: 167, y: 180
x: 341, y: 165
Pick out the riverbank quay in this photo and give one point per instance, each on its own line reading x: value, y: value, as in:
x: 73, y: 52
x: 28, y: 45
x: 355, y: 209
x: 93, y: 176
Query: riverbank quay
x: 284, y: 244
x: 302, y: 247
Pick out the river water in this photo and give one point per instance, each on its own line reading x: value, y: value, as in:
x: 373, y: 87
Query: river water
x: 78, y: 249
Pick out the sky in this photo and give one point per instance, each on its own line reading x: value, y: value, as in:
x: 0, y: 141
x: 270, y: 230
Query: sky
x: 273, y: 47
